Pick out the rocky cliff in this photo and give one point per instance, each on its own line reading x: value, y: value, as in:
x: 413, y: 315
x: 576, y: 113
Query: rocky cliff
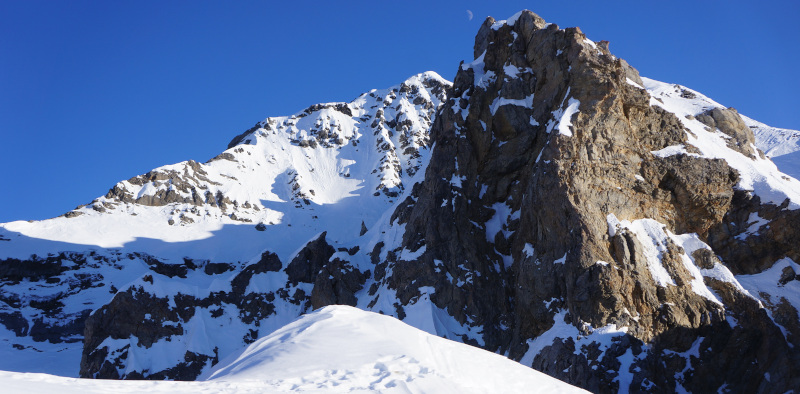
x: 591, y: 223
x: 615, y: 232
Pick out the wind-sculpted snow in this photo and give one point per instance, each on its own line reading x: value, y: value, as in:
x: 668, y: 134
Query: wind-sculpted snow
x: 336, y: 349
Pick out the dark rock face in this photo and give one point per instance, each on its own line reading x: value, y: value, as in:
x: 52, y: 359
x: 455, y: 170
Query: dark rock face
x: 42, y: 317
x: 514, y: 218
x: 139, y: 317
x: 307, y: 264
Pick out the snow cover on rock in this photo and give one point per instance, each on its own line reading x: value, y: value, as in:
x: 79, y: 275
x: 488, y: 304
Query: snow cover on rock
x: 336, y: 349
x: 295, y: 175
x: 191, y: 229
x: 758, y: 175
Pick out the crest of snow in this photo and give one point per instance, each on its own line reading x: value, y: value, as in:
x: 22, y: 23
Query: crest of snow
x: 562, y: 260
x: 590, y: 43
x: 353, y: 350
x: 601, y: 262
x: 498, y: 102
x: 510, y: 21
x: 528, y: 250
x: 760, y: 176
x: 336, y: 349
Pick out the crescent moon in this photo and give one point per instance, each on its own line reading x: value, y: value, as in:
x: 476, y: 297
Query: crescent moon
x: 469, y: 15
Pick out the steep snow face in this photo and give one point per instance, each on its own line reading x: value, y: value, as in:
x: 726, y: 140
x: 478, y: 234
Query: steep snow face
x: 295, y: 176
x: 336, y: 349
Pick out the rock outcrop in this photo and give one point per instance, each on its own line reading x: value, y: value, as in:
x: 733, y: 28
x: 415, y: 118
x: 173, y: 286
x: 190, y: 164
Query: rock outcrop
x: 570, y: 217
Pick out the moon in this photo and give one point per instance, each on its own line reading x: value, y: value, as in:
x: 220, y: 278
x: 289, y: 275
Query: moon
x: 469, y: 15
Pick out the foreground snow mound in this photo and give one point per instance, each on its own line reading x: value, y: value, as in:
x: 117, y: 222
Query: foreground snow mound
x: 335, y: 349
x: 342, y: 349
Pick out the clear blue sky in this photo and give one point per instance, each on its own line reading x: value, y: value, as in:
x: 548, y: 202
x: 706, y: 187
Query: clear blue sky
x: 92, y: 93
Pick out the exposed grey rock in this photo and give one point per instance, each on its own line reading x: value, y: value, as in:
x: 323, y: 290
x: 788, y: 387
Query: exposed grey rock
x: 309, y: 261
x: 729, y: 122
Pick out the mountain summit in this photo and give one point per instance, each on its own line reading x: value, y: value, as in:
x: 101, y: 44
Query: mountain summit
x: 551, y: 205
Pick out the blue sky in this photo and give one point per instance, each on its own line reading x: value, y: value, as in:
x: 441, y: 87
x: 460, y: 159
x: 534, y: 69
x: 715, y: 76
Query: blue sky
x: 92, y: 93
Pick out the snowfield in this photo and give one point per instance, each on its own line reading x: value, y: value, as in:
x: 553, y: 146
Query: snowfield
x: 336, y: 349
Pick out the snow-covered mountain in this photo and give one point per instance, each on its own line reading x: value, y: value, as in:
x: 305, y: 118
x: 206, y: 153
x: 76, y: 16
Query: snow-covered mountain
x: 550, y: 205
x: 336, y: 349
x: 331, y: 169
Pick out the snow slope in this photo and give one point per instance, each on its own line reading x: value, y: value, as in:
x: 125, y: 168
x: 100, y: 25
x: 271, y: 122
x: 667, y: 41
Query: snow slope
x: 331, y: 164
x: 190, y: 229
x: 374, y: 352
x: 336, y: 349
x: 781, y: 145
x: 773, y: 141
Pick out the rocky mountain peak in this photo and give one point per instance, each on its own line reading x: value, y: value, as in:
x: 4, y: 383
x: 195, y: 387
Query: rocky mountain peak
x: 568, y: 194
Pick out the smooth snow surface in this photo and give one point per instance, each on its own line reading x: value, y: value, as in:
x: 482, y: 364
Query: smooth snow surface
x: 789, y: 164
x: 344, y: 349
x: 337, y: 349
